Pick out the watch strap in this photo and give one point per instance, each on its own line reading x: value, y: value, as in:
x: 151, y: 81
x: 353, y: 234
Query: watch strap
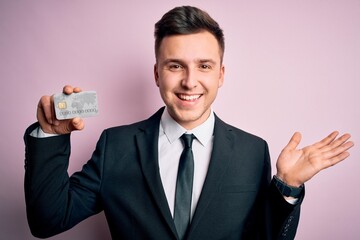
x: 287, y: 190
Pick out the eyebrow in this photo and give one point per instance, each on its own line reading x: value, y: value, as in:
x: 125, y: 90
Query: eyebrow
x: 170, y: 60
x: 207, y: 61
x: 167, y: 61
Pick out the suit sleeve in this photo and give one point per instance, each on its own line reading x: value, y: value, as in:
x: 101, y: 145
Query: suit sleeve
x: 284, y: 216
x: 56, y: 202
x: 272, y: 217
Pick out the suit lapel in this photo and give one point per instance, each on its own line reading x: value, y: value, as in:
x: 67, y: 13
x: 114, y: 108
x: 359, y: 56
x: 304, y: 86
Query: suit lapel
x: 220, y: 158
x: 147, y: 144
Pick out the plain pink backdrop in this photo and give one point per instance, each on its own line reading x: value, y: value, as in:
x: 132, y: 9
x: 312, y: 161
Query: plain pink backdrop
x: 290, y: 66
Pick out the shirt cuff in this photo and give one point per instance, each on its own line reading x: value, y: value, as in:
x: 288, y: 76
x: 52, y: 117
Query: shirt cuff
x: 292, y: 201
x: 39, y: 133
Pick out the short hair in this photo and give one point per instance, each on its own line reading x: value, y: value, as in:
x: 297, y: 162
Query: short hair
x: 187, y: 20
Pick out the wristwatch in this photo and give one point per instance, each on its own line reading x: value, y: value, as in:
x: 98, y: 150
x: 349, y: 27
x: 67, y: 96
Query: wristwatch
x: 287, y: 190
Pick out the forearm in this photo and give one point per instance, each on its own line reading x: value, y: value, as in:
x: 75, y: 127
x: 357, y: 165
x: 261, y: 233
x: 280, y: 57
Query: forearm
x: 54, y: 201
x: 285, y: 216
x: 46, y: 183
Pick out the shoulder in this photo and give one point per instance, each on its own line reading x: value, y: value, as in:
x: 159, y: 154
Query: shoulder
x: 148, y: 125
x: 237, y: 133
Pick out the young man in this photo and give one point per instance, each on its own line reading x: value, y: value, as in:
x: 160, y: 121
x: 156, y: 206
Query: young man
x: 133, y: 175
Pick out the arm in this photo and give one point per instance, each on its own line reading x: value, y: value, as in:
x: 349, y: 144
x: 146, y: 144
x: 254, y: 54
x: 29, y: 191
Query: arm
x: 56, y: 202
x: 282, y: 217
x: 295, y: 167
x: 272, y: 217
x: 53, y: 202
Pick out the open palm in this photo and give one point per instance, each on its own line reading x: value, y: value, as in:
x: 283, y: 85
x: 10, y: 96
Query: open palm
x: 296, y: 166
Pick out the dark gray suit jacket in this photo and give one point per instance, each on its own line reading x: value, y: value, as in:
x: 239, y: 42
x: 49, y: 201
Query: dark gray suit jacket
x: 238, y: 200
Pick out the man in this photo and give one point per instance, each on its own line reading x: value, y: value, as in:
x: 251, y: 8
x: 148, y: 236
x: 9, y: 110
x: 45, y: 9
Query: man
x: 135, y: 173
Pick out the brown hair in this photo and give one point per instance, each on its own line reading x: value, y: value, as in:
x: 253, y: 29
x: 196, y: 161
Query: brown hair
x: 187, y: 20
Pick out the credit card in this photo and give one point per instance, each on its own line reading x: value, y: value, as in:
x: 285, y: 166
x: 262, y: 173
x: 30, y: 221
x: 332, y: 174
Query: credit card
x: 82, y: 104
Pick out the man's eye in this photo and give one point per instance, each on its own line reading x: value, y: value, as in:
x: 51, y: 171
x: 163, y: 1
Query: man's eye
x: 175, y: 67
x: 205, y: 66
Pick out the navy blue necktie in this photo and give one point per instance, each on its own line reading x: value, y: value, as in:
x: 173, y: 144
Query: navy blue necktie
x: 184, y: 185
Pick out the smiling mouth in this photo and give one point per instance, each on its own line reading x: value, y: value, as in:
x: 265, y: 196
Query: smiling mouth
x: 189, y: 97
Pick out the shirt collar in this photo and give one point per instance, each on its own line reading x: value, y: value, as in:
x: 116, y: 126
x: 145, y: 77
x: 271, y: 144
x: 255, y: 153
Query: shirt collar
x: 174, y: 131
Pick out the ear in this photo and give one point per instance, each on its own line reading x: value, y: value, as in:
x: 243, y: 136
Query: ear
x: 156, y: 74
x: 222, y: 74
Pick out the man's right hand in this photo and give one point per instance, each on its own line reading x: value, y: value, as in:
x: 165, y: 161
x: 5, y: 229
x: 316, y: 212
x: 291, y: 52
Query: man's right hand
x: 47, y: 118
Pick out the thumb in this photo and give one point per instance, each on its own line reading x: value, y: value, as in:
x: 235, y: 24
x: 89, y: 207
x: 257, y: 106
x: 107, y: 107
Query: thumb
x: 294, y: 141
x: 76, y: 124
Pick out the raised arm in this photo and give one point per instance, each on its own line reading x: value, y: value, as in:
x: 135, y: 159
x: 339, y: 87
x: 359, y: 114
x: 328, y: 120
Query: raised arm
x: 55, y: 201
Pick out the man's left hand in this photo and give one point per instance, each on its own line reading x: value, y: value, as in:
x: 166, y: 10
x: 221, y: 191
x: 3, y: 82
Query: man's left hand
x: 296, y: 166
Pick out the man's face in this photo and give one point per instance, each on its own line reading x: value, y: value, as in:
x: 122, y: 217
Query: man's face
x: 188, y: 73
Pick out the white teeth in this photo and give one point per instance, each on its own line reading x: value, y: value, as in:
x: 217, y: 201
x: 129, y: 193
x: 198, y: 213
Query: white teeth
x: 188, y: 97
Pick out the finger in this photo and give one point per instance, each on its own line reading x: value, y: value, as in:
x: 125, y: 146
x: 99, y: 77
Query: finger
x: 77, y: 90
x: 335, y: 160
x: 340, y: 140
x: 336, y: 143
x: 45, y: 107
x: 68, y: 89
x: 76, y: 124
x: 294, y: 141
x: 336, y: 155
x: 327, y: 140
x: 338, y: 150
x: 55, y: 121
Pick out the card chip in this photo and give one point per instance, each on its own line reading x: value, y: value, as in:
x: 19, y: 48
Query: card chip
x: 62, y: 105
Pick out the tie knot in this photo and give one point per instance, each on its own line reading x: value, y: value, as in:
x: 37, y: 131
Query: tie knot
x: 187, y: 139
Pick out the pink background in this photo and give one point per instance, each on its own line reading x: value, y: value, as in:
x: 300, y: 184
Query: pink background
x: 290, y: 66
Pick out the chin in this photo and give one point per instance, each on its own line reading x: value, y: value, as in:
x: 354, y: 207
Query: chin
x: 191, y: 119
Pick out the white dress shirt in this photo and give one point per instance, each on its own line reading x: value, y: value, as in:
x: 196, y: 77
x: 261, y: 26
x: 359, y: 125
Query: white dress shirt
x: 170, y: 149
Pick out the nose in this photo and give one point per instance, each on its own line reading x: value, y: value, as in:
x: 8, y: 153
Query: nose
x: 189, y: 80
